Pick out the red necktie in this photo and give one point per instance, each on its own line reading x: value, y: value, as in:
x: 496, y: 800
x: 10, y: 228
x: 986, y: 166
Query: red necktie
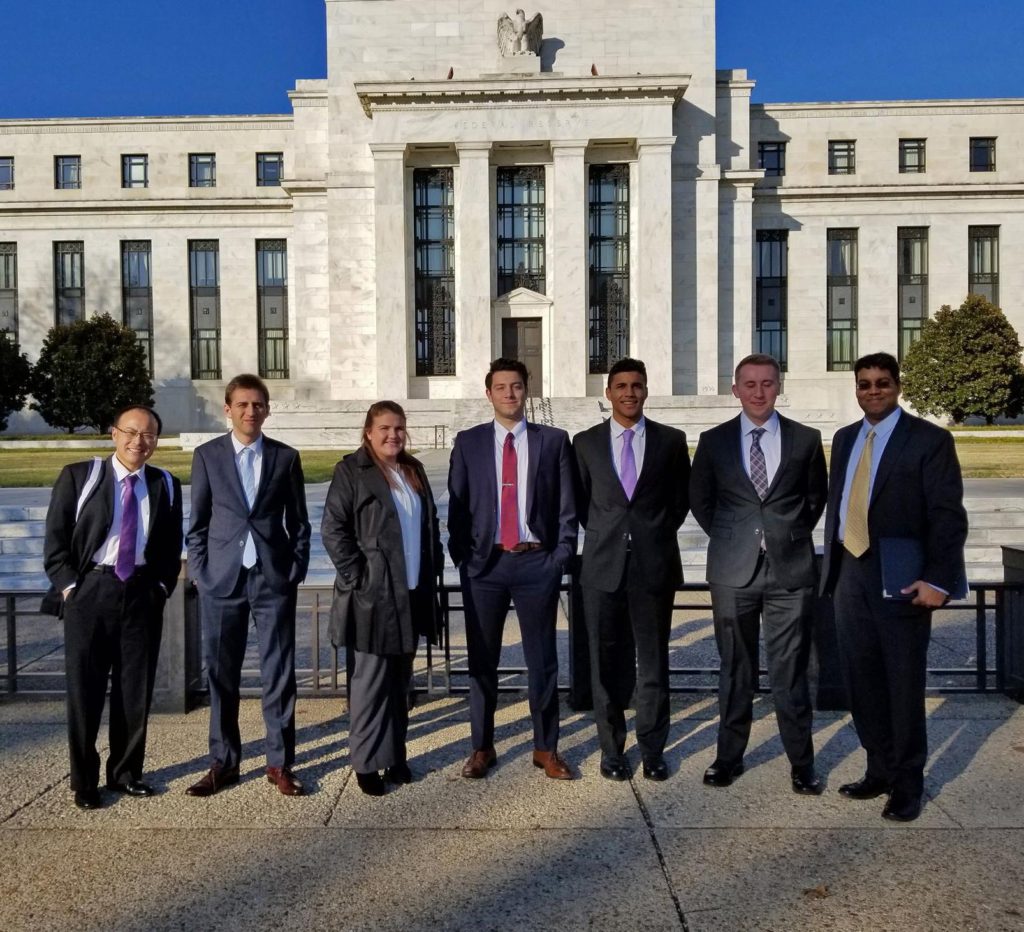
x: 509, y: 499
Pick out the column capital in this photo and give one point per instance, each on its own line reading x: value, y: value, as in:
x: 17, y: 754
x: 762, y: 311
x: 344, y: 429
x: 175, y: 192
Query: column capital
x: 388, y: 150
x: 655, y: 144
x: 478, y: 149
x: 569, y: 147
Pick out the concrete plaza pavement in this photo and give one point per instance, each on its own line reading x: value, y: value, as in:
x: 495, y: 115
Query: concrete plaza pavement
x: 515, y: 851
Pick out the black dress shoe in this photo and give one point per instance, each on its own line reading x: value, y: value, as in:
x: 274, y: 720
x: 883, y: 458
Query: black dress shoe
x: 655, y: 769
x: 722, y: 774
x: 132, y: 788
x: 88, y: 799
x: 902, y: 807
x: 806, y: 781
x: 613, y: 769
x: 398, y: 774
x: 372, y: 784
x: 866, y: 788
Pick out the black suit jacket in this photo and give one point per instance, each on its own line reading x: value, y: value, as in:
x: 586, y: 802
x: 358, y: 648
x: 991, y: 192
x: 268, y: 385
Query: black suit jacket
x: 473, y: 495
x: 220, y: 518
x: 647, y: 523
x: 918, y: 492
x: 728, y: 508
x: 70, y: 543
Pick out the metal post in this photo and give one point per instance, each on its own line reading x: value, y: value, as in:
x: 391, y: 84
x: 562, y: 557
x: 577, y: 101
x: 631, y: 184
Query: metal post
x: 12, y: 646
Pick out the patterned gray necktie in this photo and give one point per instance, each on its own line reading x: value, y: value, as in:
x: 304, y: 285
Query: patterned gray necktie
x: 758, y: 467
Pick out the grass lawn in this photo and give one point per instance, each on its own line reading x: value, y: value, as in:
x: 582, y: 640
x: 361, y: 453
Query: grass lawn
x: 28, y: 468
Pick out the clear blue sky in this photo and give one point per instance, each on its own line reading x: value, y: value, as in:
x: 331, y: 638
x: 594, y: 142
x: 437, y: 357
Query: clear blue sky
x: 155, y: 57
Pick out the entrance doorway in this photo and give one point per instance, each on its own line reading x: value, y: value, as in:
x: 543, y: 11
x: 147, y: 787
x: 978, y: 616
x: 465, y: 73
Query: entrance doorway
x: 521, y: 338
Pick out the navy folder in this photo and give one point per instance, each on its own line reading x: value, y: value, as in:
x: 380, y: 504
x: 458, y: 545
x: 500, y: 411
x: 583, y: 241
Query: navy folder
x: 902, y: 560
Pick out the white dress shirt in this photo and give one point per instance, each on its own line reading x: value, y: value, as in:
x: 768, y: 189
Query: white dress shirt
x: 771, y: 443
x: 522, y: 448
x: 410, y: 514
x: 107, y: 553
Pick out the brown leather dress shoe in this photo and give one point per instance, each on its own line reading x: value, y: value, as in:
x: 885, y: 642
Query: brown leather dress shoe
x: 215, y: 779
x: 553, y: 765
x: 479, y: 763
x: 285, y: 781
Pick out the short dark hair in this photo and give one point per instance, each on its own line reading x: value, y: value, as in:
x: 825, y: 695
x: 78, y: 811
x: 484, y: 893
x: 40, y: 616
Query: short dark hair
x: 885, y: 361
x: 627, y: 364
x: 758, y: 359
x: 250, y: 381
x: 147, y: 409
x: 504, y: 364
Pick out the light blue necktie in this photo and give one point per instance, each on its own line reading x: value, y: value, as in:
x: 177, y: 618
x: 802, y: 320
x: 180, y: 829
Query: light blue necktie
x: 248, y: 471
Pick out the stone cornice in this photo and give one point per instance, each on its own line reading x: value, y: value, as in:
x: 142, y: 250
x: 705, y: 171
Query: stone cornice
x: 888, y: 192
x: 154, y: 205
x: 180, y: 124
x: 883, y: 108
x: 376, y: 96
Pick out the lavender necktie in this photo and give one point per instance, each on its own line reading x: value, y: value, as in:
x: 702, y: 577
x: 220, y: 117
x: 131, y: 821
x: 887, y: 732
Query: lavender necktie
x: 125, y: 565
x: 628, y: 463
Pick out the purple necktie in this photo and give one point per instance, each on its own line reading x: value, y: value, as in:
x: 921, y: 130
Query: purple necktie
x: 628, y: 463
x: 125, y: 565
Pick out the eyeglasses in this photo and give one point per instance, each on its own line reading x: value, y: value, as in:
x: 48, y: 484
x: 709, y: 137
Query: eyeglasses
x: 144, y: 436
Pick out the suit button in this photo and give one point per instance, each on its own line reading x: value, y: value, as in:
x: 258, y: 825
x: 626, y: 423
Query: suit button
x: 241, y: 543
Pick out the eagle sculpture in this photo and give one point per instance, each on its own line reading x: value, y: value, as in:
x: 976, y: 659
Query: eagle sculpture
x: 516, y: 36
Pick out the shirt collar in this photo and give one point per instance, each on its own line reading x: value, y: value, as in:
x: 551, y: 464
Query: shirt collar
x: 120, y: 470
x: 771, y: 425
x: 884, y: 427
x: 256, y: 446
x: 517, y: 430
x: 638, y: 428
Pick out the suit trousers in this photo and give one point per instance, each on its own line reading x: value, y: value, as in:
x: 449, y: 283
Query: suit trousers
x: 530, y: 581
x: 884, y: 659
x: 111, y: 629
x: 787, y: 618
x: 628, y: 633
x: 225, y: 632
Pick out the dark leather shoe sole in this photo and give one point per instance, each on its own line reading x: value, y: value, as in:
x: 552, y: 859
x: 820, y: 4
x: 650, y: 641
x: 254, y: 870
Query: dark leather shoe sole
x: 656, y: 772
x: 721, y: 775
x: 864, y: 789
x: 617, y: 772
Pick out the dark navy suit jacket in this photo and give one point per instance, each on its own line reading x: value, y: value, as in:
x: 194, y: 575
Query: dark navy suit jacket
x: 473, y: 495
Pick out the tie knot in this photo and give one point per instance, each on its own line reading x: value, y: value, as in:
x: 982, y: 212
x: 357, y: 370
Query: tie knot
x: 756, y: 434
x: 627, y: 436
x: 510, y: 440
x: 131, y: 479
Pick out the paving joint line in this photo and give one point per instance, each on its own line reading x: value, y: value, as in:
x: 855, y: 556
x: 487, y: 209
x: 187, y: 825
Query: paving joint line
x: 662, y: 865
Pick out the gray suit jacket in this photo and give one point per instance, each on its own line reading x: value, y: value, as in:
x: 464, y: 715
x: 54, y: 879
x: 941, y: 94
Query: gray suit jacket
x: 728, y: 508
x: 647, y: 523
x: 220, y: 518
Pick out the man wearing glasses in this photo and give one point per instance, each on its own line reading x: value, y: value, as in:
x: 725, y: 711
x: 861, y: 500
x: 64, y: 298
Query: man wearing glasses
x: 112, y: 553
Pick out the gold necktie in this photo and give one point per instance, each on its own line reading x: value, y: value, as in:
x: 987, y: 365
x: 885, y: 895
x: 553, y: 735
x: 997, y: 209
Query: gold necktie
x: 855, y: 540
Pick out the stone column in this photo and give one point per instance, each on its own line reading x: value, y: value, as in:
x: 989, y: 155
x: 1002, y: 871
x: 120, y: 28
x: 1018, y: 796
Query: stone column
x: 706, y: 255
x: 736, y: 272
x: 567, y: 360
x: 650, y: 323
x: 390, y: 227
x: 473, y: 234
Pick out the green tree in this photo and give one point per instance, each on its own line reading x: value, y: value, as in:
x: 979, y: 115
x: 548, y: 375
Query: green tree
x: 966, y: 364
x: 87, y: 371
x: 14, y: 376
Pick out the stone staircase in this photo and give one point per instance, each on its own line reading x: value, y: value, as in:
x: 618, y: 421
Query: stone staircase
x: 994, y: 521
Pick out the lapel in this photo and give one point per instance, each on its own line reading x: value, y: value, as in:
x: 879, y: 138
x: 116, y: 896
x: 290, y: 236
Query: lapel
x: 376, y: 483
x: 535, y: 444
x: 606, y: 464
x: 840, y: 462
x: 104, y: 492
x: 893, y: 449
x: 270, y: 451
x: 652, y: 449
x: 483, y: 461
x: 155, y: 491
x: 785, y: 453
x: 230, y: 466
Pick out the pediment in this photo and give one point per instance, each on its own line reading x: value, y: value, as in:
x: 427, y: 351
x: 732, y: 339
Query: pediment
x: 522, y: 299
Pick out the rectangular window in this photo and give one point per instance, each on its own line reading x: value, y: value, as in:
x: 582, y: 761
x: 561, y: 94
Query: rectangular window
x: 6, y: 172
x: 521, y: 228
x: 842, y: 157
x: 9, y: 291
x: 983, y: 154
x: 608, y: 253
x: 137, y: 293
x: 912, y: 283
x: 983, y: 269
x: 771, y: 156
x: 841, y: 283
x: 204, y: 303
x: 433, y: 222
x: 912, y: 156
x: 771, y: 298
x: 272, y: 307
x: 202, y: 170
x: 67, y: 172
x: 269, y: 169
x: 134, y: 171
x: 69, y: 282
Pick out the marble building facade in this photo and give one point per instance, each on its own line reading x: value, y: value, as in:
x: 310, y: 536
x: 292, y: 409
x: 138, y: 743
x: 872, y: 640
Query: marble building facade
x: 435, y: 202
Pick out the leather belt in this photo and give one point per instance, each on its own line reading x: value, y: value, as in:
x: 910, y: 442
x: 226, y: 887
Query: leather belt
x: 108, y: 570
x: 521, y: 547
